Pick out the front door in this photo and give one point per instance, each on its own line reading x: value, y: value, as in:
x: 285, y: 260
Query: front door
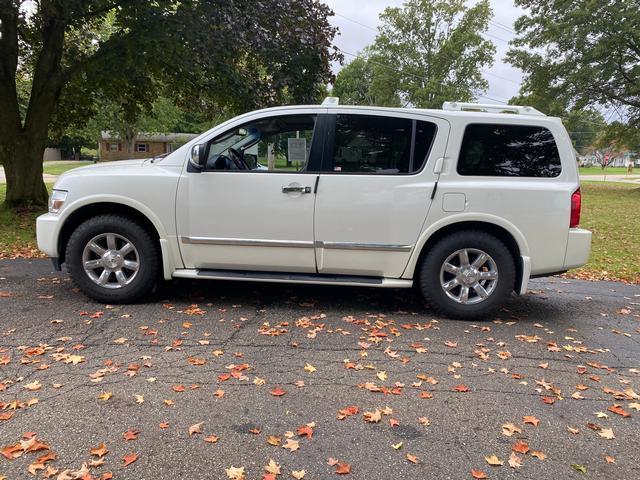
x: 375, y: 191
x: 252, y: 206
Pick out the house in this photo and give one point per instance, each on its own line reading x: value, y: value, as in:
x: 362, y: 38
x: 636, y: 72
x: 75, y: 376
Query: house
x: 145, y: 145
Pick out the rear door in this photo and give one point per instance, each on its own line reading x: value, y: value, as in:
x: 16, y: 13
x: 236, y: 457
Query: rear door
x: 374, y: 190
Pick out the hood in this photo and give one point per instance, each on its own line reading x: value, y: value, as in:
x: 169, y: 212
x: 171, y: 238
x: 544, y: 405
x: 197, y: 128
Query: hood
x: 101, y: 166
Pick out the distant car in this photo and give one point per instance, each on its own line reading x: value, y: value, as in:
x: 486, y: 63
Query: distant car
x: 468, y: 203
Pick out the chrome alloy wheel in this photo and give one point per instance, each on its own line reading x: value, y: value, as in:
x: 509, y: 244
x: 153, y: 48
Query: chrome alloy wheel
x: 110, y: 260
x: 469, y: 276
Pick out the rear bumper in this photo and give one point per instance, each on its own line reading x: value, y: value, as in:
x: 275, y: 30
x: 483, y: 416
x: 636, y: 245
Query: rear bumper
x: 47, y: 234
x: 578, y: 248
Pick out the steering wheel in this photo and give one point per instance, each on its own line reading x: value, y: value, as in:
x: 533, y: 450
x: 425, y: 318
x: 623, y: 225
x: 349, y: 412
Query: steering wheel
x: 238, y: 159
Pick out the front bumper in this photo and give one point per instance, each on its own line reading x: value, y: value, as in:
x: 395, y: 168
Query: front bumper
x: 578, y: 248
x: 47, y: 229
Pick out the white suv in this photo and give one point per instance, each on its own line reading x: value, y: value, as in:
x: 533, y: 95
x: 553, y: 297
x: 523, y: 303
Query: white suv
x: 467, y: 203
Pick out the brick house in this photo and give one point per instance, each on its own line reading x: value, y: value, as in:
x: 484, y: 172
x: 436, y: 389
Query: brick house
x: 145, y: 145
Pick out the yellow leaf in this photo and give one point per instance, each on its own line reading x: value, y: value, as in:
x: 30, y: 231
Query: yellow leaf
x: 105, y: 396
x: 382, y: 375
x: 309, y: 368
x: 494, y: 460
x: 607, y: 433
x: 235, y: 473
x: 297, y: 474
x: 397, y: 446
x: 273, y: 467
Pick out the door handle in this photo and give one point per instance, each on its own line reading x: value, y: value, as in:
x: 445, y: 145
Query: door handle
x: 296, y: 189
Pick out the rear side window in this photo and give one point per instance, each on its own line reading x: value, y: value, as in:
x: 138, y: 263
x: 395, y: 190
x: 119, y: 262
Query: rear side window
x: 496, y: 150
x: 381, y: 145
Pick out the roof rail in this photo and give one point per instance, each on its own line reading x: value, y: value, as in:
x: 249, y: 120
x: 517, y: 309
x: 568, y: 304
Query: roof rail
x: 331, y: 101
x: 488, y: 107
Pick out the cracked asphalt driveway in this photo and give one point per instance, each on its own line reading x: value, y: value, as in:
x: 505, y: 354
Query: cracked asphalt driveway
x: 247, y: 365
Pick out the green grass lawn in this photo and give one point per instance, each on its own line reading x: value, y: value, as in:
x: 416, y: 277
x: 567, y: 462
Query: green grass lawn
x: 606, y: 171
x: 59, y: 169
x: 609, y: 210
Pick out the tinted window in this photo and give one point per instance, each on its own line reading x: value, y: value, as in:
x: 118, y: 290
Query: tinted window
x: 508, y: 151
x: 383, y: 145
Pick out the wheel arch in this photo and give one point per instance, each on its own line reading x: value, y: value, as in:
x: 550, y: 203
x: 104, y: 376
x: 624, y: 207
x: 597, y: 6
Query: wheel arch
x: 86, y: 211
x: 501, y: 229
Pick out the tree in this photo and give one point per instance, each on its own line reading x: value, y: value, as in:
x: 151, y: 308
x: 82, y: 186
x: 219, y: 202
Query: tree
x: 362, y: 82
x: 234, y: 54
x: 428, y: 52
x: 587, y: 52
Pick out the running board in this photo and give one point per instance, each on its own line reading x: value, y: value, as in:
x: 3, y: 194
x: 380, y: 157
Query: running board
x: 277, y: 277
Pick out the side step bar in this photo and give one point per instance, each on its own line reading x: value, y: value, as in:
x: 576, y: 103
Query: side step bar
x: 278, y: 277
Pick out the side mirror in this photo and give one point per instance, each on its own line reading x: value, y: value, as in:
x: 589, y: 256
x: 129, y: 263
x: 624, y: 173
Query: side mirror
x: 198, y: 156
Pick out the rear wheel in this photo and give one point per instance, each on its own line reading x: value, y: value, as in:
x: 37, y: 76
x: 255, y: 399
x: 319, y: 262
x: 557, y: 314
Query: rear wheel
x: 467, y: 275
x: 112, y: 259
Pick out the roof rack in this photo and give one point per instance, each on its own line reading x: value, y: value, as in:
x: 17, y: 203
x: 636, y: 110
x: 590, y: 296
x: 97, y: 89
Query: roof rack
x: 331, y: 101
x: 488, y: 107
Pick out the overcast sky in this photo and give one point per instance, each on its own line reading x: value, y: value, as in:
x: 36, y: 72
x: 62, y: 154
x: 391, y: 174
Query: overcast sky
x: 358, y: 19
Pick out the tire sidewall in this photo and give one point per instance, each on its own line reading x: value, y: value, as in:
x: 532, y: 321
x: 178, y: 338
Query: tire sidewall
x: 147, y: 274
x: 430, y: 274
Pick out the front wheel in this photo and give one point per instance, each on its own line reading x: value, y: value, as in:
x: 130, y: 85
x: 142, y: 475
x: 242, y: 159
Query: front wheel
x: 112, y: 259
x: 467, y: 275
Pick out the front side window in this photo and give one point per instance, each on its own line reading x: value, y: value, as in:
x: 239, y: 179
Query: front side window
x: 508, y: 151
x: 277, y: 144
x: 380, y: 145
x: 142, y: 147
x: 114, y: 147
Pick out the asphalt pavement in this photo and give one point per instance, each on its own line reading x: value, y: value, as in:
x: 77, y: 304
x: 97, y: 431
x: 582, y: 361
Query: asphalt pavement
x: 214, y: 380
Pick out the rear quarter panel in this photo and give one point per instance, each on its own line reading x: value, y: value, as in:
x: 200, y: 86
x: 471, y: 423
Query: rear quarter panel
x: 538, y: 209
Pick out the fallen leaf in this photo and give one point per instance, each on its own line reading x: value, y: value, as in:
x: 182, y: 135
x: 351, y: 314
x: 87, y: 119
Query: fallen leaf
x: 461, y: 388
x: 607, y: 433
x: 520, y: 447
x: 372, y: 417
x: 342, y: 468
x: 278, y: 392
x: 298, y: 474
x: 494, y: 461
x: 309, y: 368
x: 235, y: 473
x: 129, y: 459
x: 195, y: 428
x: 530, y: 419
x: 412, y: 458
x: 515, y: 461
x: 538, y: 454
x: 291, y: 445
x: 478, y: 474
x: 272, y: 467
x: 579, y: 468
x: 131, y: 434
x: 99, y: 451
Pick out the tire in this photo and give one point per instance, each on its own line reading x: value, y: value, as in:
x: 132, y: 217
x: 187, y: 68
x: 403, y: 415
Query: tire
x: 134, y: 245
x: 442, y: 285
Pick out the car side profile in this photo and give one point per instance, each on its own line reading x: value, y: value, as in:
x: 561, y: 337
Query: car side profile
x: 467, y: 203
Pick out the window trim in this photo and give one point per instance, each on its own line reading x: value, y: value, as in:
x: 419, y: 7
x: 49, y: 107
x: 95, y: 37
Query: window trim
x: 315, y: 152
x: 510, y: 177
x: 329, y: 149
x: 146, y: 147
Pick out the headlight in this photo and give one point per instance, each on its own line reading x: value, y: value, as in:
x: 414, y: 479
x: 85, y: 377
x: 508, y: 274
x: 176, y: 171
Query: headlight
x: 56, y: 200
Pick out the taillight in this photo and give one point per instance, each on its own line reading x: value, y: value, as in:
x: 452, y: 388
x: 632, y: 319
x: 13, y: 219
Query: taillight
x: 576, y: 201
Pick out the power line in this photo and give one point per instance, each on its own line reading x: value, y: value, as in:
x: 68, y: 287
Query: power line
x: 502, y: 26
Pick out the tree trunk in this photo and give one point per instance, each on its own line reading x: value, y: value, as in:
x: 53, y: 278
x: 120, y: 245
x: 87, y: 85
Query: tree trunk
x: 22, y: 159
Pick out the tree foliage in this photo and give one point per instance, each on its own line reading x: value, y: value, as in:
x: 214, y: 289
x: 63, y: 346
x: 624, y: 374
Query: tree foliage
x: 211, y: 56
x: 585, y: 52
x: 426, y: 52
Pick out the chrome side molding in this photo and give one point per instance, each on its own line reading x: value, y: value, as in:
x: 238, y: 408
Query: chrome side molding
x: 253, y: 242
x: 387, y: 247
x: 246, y: 242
